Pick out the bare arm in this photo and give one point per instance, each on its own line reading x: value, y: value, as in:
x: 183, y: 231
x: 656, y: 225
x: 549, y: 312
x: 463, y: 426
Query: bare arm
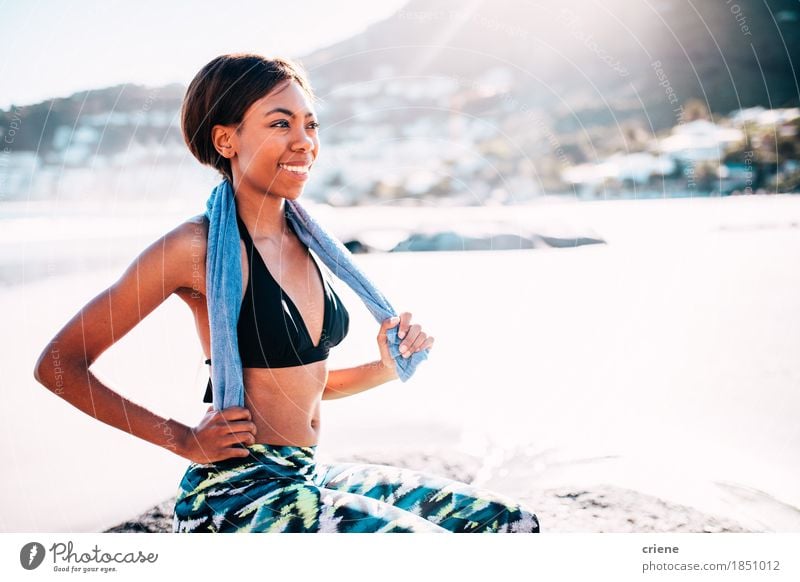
x: 63, y: 366
x: 349, y: 381
x: 82, y: 389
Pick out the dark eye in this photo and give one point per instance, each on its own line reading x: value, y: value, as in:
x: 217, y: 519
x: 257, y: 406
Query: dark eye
x: 313, y: 124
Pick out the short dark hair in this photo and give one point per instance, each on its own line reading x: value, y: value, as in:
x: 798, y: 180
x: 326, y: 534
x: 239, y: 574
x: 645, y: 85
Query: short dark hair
x: 221, y: 93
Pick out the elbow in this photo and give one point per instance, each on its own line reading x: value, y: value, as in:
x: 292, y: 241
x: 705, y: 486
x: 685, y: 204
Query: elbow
x: 38, y: 367
x: 36, y: 372
x: 49, y: 369
x: 40, y: 370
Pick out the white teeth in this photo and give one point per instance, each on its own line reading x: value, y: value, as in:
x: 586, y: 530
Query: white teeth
x: 296, y: 169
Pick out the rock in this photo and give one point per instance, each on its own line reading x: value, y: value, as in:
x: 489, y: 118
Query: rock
x: 602, y: 508
x: 155, y: 520
x: 611, y: 509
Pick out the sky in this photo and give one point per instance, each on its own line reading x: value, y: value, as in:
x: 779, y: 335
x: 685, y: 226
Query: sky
x: 54, y: 49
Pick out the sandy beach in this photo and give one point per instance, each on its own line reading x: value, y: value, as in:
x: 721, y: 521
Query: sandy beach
x: 644, y: 384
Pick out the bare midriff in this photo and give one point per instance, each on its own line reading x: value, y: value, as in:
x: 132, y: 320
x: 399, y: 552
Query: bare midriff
x: 285, y: 402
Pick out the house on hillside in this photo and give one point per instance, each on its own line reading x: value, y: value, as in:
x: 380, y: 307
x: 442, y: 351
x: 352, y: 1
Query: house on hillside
x: 699, y: 141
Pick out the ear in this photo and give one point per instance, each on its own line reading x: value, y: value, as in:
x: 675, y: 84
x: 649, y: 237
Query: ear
x: 222, y: 136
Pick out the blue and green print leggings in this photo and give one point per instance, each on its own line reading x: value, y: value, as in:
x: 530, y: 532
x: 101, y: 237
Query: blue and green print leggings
x: 281, y: 488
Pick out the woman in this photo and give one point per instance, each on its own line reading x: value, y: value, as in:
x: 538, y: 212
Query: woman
x: 253, y: 467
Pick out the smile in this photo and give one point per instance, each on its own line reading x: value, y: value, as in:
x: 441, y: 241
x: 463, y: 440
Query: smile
x: 295, y: 169
x: 296, y: 172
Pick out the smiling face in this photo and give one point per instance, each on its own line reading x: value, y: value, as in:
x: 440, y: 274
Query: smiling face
x: 271, y: 151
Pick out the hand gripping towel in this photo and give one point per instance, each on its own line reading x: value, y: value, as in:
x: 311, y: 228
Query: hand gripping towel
x: 224, y: 290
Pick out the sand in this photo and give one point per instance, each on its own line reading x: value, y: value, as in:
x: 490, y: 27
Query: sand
x: 653, y: 373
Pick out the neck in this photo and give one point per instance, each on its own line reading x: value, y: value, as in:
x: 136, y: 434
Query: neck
x: 262, y: 213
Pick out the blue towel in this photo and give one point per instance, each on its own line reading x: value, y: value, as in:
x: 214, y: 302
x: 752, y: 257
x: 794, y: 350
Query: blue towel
x: 224, y: 290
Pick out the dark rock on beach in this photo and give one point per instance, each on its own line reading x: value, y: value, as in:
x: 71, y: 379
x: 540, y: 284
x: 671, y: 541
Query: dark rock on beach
x: 601, y: 508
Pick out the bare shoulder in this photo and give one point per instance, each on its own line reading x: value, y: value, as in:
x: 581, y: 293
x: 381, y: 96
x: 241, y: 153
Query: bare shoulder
x: 176, y: 259
x: 188, y: 243
x: 192, y: 233
x: 194, y: 228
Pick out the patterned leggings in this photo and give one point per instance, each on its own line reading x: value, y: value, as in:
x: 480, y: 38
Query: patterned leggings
x: 281, y: 488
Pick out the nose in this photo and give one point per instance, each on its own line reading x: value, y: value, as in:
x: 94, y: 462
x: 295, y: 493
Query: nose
x: 303, y: 142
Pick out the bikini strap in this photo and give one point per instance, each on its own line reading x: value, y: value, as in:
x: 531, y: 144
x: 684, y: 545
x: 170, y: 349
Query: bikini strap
x: 243, y: 232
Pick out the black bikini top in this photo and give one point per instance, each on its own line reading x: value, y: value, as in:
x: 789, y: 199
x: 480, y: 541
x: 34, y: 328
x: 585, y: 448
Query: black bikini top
x: 271, y: 331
